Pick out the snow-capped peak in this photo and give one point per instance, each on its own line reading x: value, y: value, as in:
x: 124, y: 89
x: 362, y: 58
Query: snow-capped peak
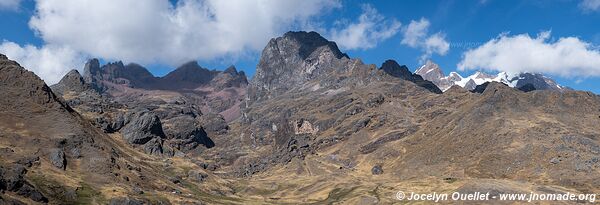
x: 445, y: 82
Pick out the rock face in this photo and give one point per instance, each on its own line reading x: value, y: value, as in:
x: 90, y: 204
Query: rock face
x: 72, y: 81
x: 292, y: 60
x: 90, y: 71
x: 57, y: 158
x: 143, y: 127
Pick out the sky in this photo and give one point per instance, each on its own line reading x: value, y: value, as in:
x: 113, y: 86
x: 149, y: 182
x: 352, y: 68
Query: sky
x: 558, y: 38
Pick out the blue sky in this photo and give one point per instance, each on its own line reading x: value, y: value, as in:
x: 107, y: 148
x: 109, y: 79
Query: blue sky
x: 462, y: 26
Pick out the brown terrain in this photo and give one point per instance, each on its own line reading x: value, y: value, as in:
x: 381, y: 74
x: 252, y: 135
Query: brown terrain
x: 313, y: 126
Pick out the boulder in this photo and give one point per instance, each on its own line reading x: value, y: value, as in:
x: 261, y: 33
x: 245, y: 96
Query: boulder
x: 214, y: 123
x: 197, y: 176
x: 143, y: 127
x: 57, y: 158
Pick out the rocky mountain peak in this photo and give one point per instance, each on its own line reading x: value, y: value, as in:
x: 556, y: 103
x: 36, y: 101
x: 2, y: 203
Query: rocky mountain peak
x: 294, y: 59
x: 231, y: 70
x: 453, y: 76
x: 430, y: 70
x: 190, y: 73
x: 308, y: 42
x: 535, y: 81
x: 392, y: 68
x: 72, y: 81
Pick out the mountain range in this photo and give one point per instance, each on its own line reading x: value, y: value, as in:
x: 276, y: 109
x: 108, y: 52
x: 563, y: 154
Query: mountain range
x: 313, y: 126
x: 523, y: 81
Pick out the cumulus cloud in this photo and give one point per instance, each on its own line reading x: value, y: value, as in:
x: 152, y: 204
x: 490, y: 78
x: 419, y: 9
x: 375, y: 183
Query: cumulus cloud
x: 156, y: 31
x: 590, y: 5
x: 370, y: 29
x: 50, y: 62
x: 567, y: 56
x: 10, y: 4
x: 416, y: 36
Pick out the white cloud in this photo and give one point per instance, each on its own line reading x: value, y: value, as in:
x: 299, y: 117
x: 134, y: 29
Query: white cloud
x: 416, y: 36
x: 415, y: 32
x: 10, y: 4
x: 370, y: 29
x: 436, y: 43
x: 590, y: 5
x: 49, y: 62
x: 156, y: 31
x: 567, y: 56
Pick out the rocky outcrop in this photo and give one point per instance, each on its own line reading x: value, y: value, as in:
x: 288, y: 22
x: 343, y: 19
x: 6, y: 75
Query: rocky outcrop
x: 304, y: 127
x: 91, y: 72
x: 185, y: 134
x: 142, y: 127
x: 197, y: 176
x: 12, y: 180
x: 57, y: 158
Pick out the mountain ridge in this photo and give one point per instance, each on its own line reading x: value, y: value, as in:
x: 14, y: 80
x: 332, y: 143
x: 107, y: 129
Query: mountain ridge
x: 432, y: 72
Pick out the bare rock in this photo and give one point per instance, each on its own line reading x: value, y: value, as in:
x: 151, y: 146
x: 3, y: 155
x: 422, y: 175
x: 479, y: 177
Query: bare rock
x: 57, y: 158
x: 143, y: 127
x: 197, y: 175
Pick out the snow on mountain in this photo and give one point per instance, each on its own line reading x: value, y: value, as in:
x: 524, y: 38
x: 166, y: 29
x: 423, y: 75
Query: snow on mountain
x: 432, y: 72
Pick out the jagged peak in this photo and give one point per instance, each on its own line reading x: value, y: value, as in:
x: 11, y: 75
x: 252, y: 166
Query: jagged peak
x: 115, y: 63
x: 73, y: 72
x: 189, y: 64
x: 392, y: 65
x: 231, y: 70
x: 455, y: 74
x: 392, y: 68
x: 430, y: 70
x: 308, y: 42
